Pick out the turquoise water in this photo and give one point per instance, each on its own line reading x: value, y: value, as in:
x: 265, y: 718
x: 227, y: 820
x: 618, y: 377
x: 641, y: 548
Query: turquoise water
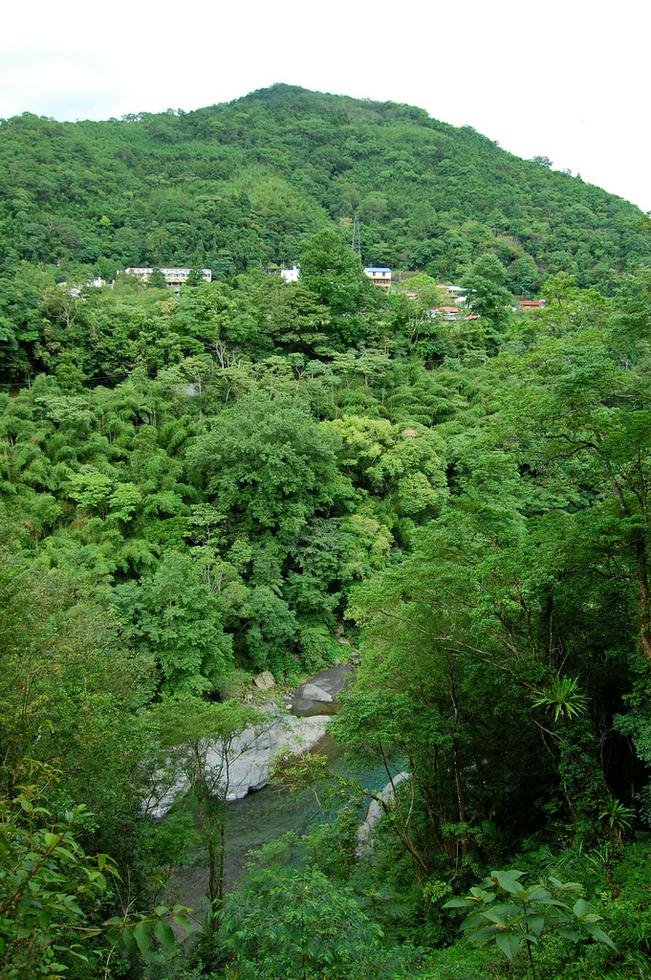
x: 267, y: 814
x: 272, y: 811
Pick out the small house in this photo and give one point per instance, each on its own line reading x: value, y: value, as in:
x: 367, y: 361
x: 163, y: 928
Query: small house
x: 447, y: 312
x: 290, y: 275
x: 174, y: 276
x: 379, y: 275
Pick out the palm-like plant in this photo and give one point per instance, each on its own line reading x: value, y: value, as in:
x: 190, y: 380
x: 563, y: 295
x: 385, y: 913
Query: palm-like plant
x: 618, y: 817
x: 563, y: 697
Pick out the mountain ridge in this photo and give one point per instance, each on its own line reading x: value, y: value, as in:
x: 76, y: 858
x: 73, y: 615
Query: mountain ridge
x: 242, y: 183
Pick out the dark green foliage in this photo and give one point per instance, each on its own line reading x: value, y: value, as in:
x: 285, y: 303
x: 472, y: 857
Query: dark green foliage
x: 268, y: 464
x: 156, y: 280
x: 519, y: 918
x: 51, y: 891
x: 488, y: 297
x: 178, y: 623
x: 299, y: 924
x: 255, y: 475
x: 70, y: 691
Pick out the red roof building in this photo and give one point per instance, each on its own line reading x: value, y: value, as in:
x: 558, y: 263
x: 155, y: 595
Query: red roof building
x: 447, y: 312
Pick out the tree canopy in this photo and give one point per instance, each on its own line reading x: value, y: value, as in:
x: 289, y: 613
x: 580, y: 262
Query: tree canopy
x: 257, y: 476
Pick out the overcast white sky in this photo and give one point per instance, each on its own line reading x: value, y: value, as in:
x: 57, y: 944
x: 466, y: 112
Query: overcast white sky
x: 569, y: 79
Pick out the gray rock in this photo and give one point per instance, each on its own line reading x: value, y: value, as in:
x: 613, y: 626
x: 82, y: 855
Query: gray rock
x: 265, y: 681
x: 246, y: 763
x: 251, y: 755
x: 329, y: 681
x: 314, y: 693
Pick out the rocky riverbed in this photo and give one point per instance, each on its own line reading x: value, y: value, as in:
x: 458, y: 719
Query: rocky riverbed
x: 265, y: 814
x: 318, y: 695
x: 244, y: 764
x: 258, y: 812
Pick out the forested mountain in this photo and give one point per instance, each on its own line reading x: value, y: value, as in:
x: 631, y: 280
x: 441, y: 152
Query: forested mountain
x: 238, y: 185
x: 207, y: 492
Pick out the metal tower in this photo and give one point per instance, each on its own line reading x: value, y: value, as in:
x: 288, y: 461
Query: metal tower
x: 356, y: 243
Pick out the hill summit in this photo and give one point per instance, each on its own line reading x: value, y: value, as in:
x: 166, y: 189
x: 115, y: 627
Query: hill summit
x: 242, y: 184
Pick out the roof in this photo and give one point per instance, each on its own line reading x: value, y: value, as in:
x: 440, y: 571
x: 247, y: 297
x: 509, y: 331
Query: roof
x: 446, y: 309
x: 531, y: 302
x: 377, y: 268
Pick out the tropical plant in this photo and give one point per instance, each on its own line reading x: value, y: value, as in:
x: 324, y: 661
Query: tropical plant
x: 618, y: 818
x: 563, y: 698
x: 518, y: 917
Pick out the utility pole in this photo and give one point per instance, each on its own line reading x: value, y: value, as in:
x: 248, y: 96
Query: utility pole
x: 356, y: 243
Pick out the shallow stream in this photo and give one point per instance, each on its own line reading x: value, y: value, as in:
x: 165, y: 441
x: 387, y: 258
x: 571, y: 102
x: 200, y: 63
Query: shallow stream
x: 272, y: 811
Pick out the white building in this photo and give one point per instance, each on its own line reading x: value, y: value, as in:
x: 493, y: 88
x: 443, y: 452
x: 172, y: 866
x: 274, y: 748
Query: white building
x: 75, y: 291
x: 379, y: 275
x: 458, y: 293
x: 174, y: 276
x: 290, y: 275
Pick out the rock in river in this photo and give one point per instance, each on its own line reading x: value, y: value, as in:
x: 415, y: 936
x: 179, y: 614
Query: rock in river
x: 376, y: 810
x: 248, y: 759
x: 314, y: 693
x: 247, y: 762
x: 251, y: 753
x: 320, y: 690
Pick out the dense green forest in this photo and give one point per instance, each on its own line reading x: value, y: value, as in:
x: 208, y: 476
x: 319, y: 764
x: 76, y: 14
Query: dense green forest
x: 259, y: 476
x: 238, y: 185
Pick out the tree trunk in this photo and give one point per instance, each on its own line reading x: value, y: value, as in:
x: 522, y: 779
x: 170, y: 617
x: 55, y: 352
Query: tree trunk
x: 222, y: 857
x: 645, y: 598
x: 461, y: 801
x: 213, y: 880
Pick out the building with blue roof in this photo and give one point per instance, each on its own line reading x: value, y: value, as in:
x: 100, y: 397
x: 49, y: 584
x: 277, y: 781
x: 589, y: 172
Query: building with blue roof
x: 379, y: 275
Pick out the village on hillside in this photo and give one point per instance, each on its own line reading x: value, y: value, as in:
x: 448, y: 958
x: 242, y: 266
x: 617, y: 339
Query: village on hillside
x: 454, y: 307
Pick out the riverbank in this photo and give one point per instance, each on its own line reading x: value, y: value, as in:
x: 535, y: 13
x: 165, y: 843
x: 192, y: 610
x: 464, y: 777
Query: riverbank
x: 243, y: 763
x: 266, y: 813
x: 259, y: 812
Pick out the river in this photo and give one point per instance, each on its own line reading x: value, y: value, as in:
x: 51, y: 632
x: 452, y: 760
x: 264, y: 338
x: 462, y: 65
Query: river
x: 268, y: 813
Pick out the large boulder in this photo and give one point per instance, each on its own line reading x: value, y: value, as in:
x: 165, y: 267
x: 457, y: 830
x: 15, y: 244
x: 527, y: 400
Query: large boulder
x: 246, y: 763
x: 264, y: 681
x: 314, y: 693
x: 322, y: 689
x: 251, y: 754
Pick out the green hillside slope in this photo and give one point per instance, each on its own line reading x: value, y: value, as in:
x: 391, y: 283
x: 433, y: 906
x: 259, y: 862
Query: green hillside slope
x: 241, y: 184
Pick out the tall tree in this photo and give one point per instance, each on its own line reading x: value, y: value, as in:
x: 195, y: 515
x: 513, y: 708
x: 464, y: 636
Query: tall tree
x: 488, y: 296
